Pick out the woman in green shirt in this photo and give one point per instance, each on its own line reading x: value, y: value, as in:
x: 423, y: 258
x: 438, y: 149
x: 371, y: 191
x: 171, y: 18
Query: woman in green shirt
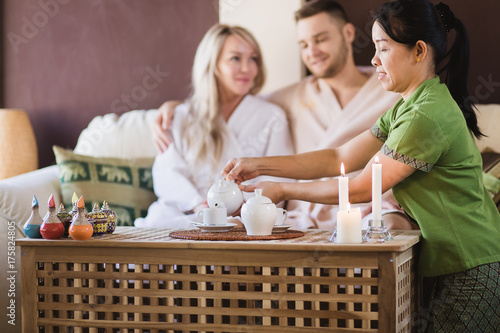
x: 426, y: 146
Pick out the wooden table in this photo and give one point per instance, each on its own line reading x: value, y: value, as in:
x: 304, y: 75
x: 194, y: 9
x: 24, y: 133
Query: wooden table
x: 142, y: 280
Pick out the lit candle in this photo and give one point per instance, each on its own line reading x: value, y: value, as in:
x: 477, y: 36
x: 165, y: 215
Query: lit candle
x: 343, y: 189
x: 377, y: 192
x: 349, y: 225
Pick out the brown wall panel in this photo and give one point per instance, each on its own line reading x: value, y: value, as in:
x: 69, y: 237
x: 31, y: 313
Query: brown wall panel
x: 68, y: 61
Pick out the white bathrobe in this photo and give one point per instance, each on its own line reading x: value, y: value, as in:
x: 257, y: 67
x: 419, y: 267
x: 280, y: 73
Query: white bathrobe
x: 318, y: 121
x: 256, y: 128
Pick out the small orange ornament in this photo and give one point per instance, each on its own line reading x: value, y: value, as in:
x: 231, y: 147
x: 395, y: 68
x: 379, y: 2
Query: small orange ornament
x: 80, y: 228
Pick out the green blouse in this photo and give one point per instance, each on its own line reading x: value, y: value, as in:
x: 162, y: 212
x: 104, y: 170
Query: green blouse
x: 445, y: 195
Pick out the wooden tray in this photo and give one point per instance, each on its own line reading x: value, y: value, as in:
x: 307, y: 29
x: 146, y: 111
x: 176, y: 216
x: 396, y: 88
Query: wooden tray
x: 236, y: 234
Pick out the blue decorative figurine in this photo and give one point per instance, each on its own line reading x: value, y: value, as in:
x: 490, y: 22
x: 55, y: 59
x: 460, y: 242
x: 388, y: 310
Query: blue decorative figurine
x: 32, y: 226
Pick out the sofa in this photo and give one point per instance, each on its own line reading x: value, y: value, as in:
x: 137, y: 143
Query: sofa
x: 124, y: 137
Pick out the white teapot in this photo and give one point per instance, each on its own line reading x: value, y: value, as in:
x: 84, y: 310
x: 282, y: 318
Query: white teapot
x: 258, y: 215
x: 225, y: 192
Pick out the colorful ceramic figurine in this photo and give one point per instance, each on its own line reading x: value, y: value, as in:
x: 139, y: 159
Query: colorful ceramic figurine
x: 80, y: 228
x: 52, y: 228
x: 32, y: 226
x: 100, y: 220
x: 111, y: 215
x: 74, y: 201
x: 65, y: 218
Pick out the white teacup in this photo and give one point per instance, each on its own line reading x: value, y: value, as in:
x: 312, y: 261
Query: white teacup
x: 213, y: 216
x: 281, y: 215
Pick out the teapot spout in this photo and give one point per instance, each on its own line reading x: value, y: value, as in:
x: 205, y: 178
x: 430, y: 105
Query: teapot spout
x: 219, y: 205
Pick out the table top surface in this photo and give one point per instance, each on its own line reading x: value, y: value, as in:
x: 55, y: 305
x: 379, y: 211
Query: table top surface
x: 313, y: 240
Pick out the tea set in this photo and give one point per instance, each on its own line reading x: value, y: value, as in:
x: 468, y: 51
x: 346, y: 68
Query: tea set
x: 259, y: 214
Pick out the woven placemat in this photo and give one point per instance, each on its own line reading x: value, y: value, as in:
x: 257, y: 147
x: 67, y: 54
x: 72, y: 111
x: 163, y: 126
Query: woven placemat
x: 236, y: 234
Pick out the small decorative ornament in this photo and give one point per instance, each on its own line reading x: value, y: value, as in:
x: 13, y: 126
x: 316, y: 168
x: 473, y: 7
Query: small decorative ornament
x: 80, y: 228
x: 111, y: 215
x: 51, y: 228
x: 32, y: 226
x: 65, y: 219
x: 74, y: 201
x: 100, y: 225
x: 89, y: 217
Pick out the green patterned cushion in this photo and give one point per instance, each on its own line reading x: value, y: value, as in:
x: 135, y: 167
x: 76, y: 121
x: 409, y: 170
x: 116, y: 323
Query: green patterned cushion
x: 126, y: 184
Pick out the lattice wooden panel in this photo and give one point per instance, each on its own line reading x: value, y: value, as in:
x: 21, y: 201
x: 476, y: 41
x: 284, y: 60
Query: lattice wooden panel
x: 406, y: 294
x: 99, y: 296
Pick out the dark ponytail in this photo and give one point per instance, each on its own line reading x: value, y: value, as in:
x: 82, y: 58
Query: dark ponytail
x: 456, y: 76
x: 408, y: 21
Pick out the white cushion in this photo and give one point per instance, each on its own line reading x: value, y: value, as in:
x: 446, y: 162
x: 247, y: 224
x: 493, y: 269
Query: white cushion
x: 16, y: 193
x: 125, y: 136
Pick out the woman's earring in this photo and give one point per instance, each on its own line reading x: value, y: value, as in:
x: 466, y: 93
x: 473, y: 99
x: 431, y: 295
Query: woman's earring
x: 418, y: 59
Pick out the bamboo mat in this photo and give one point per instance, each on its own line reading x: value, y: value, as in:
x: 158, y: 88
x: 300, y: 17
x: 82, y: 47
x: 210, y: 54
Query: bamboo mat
x: 238, y: 234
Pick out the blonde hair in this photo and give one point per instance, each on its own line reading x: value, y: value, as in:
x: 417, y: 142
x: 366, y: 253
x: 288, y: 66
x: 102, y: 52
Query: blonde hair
x: 204, y: 129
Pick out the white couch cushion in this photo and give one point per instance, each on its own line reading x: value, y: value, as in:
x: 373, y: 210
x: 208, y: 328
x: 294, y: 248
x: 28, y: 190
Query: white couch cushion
x: 16, y: 193
x: 125, y: 136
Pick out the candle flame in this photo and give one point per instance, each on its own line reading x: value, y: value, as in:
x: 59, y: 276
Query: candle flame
x: 342, y: 169
x: 377, y: 160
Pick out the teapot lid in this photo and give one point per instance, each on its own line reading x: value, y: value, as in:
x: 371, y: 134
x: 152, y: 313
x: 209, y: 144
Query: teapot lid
x: 259, y: 198
x: 222, y: 185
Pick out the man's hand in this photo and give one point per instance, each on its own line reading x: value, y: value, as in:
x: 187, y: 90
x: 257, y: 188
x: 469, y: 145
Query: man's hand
x: 240, y: 169
x: 161, y: 124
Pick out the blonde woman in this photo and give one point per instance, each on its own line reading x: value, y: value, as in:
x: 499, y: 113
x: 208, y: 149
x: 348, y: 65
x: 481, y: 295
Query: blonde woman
x: 221, y: 119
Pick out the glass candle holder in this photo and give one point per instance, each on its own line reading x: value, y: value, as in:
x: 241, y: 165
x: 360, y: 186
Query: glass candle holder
x: 377, y: 232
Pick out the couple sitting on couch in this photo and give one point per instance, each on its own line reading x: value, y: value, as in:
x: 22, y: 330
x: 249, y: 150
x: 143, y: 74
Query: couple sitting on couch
x: 223, y: 119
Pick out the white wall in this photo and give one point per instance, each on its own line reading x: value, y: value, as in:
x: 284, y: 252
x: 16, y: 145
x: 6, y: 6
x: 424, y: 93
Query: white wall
x: 272, y: 23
